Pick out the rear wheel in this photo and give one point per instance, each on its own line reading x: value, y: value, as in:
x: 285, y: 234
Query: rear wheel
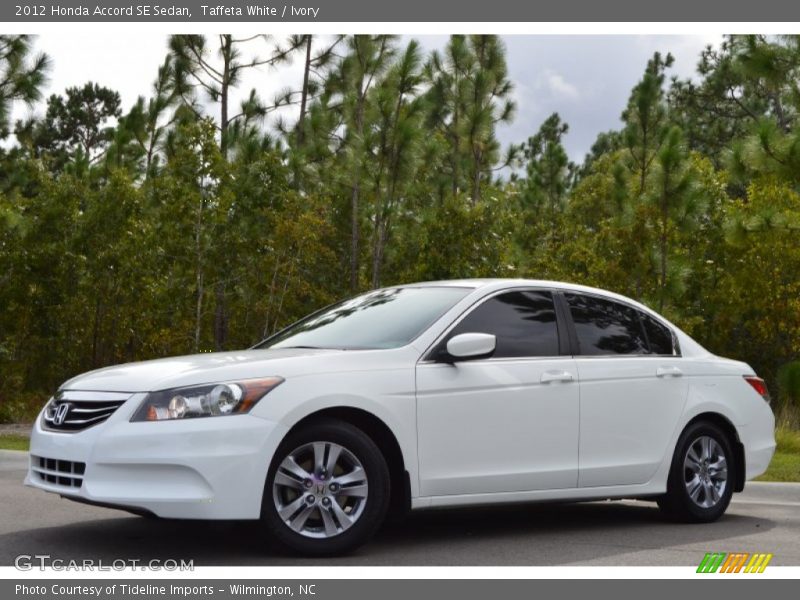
x: 701, y: 478
x: 327, y: 490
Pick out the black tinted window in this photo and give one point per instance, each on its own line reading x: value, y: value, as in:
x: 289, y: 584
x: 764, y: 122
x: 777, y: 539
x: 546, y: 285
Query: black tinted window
x: 658, y: 335
x: 523, y: 322
x: 606, y: 327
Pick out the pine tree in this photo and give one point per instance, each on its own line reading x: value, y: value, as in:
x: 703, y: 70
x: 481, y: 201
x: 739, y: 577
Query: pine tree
x: 469, y: 96
x: 142, y: 132
x: 548, y: 170
x: 21, y: 75
x: 76, y: 130
x: 195, y: 68
x: 347, y: 94
x: 396, y: 145
x: 646, y: 117
x: 675, y: 197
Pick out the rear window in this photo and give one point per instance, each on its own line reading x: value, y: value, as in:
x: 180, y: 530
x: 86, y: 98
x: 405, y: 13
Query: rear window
x: 606, y: 327
x: 659, y: 336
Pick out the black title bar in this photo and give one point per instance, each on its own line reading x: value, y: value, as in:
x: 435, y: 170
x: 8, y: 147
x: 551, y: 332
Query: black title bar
x: 473, y: 11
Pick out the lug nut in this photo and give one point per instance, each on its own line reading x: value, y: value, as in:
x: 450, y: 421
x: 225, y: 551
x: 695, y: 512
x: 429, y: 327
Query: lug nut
x: 326, y: 502
x: 310, y: 499
x: 334, y: 487
x: 308, y: 483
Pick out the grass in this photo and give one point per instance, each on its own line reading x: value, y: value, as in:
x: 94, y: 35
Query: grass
x: 785, y: 465
x: 788, y: 440
x: 12, y: 441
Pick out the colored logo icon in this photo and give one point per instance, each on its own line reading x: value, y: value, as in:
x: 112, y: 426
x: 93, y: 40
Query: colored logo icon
x: 734, y: 562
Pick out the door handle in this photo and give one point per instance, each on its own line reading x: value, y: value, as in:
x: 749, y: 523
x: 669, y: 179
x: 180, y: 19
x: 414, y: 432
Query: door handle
x: 668, y: 372
x: 550, y: 376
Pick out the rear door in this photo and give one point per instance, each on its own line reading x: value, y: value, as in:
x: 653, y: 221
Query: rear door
x: 632, y: 390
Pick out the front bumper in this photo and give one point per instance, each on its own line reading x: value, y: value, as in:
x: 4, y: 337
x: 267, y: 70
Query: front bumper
x: 205, y: 468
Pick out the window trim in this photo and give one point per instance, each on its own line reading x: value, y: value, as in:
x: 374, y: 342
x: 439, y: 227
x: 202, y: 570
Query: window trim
x: 573, y: 332
x: 562, y: 329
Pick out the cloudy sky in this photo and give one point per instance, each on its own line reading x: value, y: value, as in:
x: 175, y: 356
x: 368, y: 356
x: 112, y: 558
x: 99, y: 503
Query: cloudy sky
x: 586, y: 78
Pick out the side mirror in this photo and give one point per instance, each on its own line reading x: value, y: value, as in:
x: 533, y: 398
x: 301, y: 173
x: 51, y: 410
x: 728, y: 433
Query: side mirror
x: 467, y: 346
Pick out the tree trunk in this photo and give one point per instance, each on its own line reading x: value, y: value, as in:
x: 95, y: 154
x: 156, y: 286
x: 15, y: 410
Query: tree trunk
x: 354, y: 236
x: 198, y: 277
x: 643, y: 173
x: 149, y: 160
x: 220, y: 309
x: 304, y: 93
x: 377, y: 257
x: 456, y: 158
x: 198, y: 307
x: 664, y: 231
x: 98, y: 309
x: 223, y: 117
x: 271, y: 297
x: 780, y: 113
x: 477, y: 155
x: 355, y: 229
x: 476, y: 180
x: 220, y: 317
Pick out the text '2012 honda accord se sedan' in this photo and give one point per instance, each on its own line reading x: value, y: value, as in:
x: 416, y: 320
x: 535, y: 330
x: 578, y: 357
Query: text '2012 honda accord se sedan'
x: 425, y: 395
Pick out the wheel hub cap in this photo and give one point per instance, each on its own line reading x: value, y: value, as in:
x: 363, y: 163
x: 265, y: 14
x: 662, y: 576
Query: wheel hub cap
x: 705, y: 472
x: 320, y: 489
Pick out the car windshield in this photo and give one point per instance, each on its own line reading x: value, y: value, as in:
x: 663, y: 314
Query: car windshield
x: 387, y: 318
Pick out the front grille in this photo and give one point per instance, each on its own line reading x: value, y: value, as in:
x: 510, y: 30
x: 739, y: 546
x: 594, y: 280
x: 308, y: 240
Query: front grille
x: 70, y: 411
x: 54, y: 471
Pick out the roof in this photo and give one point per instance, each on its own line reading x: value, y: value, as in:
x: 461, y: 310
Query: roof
x: 491, y: 284
x: 502, y: 282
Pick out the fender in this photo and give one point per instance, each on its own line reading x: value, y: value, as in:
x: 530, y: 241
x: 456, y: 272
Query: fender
x: 394, y: 405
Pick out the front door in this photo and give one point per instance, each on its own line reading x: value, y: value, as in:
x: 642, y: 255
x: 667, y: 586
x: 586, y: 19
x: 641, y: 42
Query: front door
x: 508, y: 423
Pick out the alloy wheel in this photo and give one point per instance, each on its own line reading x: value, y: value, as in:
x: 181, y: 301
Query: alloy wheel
x: 705, y: 471
x: 320, y: 489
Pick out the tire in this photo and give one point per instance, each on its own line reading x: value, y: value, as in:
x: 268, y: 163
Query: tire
x: 318, y: 513
x: 700, y: 485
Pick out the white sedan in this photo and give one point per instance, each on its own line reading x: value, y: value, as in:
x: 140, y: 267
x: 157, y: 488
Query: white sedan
x: 417, y: 396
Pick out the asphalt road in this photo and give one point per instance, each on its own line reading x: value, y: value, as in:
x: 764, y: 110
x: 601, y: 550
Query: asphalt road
x: 765, y: 518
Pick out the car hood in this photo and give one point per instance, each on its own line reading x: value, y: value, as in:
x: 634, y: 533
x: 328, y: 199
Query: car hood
x: 196, y: 369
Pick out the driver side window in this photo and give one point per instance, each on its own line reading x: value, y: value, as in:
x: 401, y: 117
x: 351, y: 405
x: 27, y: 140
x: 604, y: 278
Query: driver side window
x: 524, y: 323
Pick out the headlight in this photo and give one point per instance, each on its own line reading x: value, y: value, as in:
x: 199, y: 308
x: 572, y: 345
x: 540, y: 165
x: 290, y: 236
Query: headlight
x: 207, y: 400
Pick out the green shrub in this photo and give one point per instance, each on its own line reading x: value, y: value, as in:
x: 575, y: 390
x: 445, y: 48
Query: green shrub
x: 789, y: 383
x: 20, y: 408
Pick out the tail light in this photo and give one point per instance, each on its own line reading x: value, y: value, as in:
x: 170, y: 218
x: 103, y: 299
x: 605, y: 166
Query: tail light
x: 759, y: 386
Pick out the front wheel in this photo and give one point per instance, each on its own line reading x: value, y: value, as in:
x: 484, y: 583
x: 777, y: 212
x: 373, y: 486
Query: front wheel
x: 700, y: 483
x: 327, y: 489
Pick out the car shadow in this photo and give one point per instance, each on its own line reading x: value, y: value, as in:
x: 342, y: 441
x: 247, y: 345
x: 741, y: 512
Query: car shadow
x: 538, y: 534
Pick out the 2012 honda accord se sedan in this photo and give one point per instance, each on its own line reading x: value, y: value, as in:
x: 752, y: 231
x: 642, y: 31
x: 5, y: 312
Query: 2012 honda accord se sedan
x: 424, y: 395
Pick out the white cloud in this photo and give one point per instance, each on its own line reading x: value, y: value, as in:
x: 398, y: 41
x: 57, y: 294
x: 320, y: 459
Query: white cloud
x: 558, y: 86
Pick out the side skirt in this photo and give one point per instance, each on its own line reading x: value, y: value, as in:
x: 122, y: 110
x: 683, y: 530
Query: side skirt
x: 648, y: 490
